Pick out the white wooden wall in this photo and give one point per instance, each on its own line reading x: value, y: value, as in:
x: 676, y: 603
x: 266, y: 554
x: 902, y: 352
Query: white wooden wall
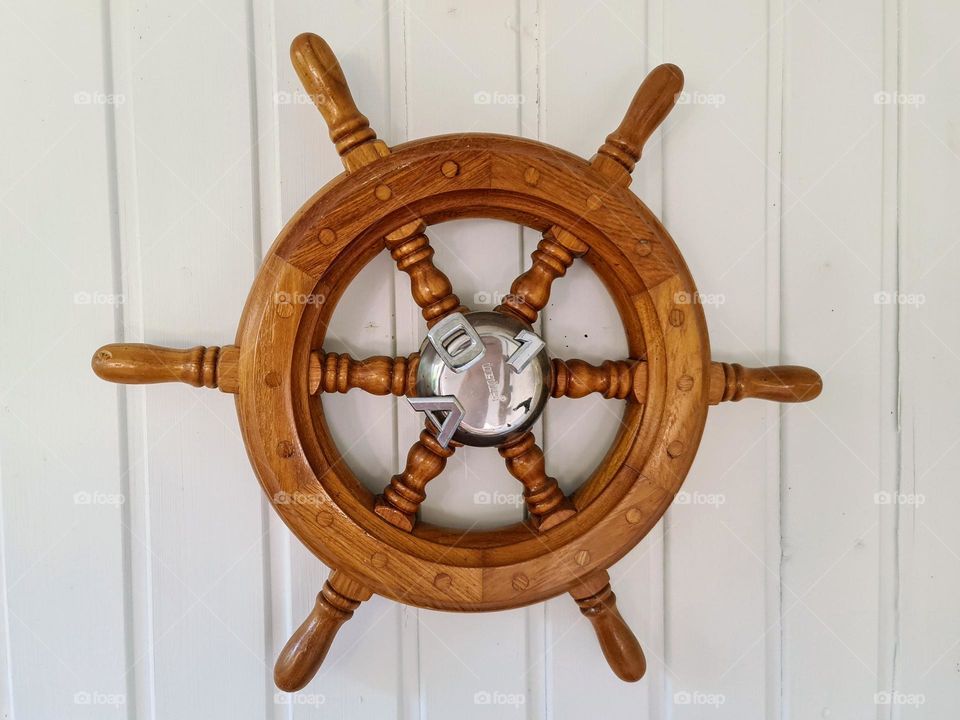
x: 151, y: 151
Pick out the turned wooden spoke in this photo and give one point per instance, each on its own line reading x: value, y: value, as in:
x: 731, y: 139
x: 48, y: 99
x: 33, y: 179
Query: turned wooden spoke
x: 613, y: 379
x: 530, y: 292
x: 323, y: 79
x: 619, y: 645
x: 728, y: 382
x: 547, y: 504
x: 307, y: 648
x: 142, y: 364
x: 401, y: 499
x: 650, y: 106
x: 431, y: 289
x: 379, y: 375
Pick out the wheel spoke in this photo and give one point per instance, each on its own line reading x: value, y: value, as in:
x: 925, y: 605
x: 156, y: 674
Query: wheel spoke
x: 613, y: 379
x: 401, y: 499
x: 431, y: 289
x: 378, y: 375
x: 547, y: 504
x: 530, y: 292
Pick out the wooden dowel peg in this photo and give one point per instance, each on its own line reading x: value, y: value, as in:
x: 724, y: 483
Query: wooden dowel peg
x: 142, y: 364
x: 650, y: 106
x: 307, y: 648
x: 323, y: 79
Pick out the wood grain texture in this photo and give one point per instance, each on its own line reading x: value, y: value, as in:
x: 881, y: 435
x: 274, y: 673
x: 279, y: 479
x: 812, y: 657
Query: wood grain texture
x: 547, y: 504
x: 143, y: 364
x: 380, y: 375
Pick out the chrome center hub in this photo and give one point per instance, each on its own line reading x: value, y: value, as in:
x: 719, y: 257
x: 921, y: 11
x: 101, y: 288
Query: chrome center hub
x: 484, y: 377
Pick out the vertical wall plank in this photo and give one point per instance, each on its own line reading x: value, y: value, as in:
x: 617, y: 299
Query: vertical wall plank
x: 189, y: 231
x: 594, y: 57
x: 361, y: 675
x: 833, y: 265
x: 929, y: 564
x: 63, y: 494
x: 714, y: 204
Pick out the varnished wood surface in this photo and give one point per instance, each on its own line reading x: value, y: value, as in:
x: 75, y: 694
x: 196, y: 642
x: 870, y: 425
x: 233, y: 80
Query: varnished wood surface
x: 545, y: 501
x: 142, y: 364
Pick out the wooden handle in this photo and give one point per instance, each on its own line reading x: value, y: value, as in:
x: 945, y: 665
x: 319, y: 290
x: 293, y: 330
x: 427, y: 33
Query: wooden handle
x: 307, y: 648
x: 781, y: 383
x: 651, y: 104
x: 619, y: 645
x: 141, y: 364
x: 323, y: 79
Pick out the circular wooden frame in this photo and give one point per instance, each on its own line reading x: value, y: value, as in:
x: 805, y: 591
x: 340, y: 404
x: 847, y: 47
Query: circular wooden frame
x: 294, y: 296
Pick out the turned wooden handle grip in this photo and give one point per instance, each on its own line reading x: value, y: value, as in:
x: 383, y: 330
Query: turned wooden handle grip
x: 617, y: 642
x: 142, y: 364
x: 651, y: 104
x: 323, y: 79
x: 307, y: 648
x: 780, y: 383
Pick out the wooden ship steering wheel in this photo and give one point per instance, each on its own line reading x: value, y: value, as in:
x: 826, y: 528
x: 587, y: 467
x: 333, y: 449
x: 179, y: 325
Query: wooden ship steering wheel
x: 481, y: 378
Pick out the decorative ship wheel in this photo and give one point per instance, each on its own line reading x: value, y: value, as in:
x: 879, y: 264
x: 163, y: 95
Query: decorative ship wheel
x: 480, y: 378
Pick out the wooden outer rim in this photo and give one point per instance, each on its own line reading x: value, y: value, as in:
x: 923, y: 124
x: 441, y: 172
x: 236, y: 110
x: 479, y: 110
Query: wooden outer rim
x: 285, y: 432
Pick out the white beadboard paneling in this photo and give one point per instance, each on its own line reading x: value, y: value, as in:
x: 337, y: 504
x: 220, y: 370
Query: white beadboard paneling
x: 714, y: 204
x: 188, y: 212
x: 832, y: 257
x: 581, y: 321
x: 61, y: 462
x: 929, y: 563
